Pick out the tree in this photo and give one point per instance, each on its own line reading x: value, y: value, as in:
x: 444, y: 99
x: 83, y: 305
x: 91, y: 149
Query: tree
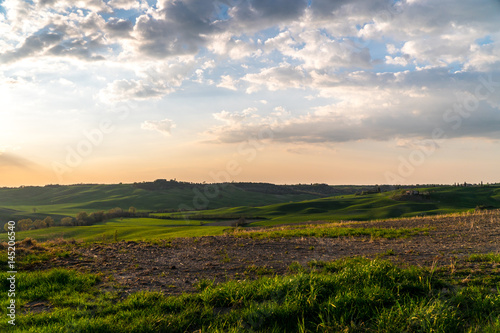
x: 132, y: 210
x: 67, y: 221
x: 81, y: 218
x: 39, y: 224
x: 6, y: 227
x: 49, y: 221
x: 97, y: 217
x: 25, y: 224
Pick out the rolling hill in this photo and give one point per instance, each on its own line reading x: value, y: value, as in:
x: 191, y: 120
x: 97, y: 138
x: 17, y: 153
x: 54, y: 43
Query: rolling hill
x: 438, y: 200
x: 63, y: 200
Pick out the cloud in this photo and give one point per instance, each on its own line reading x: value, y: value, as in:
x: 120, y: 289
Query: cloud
x: 33, y: 45
x: 321, y: 52
x: 234, y: 118
x: 55, y: 34
x: 175, y: 28
x: 157, y: 79
x: 260, y: 14
x: 399, y: 61
x: 227, y: 82
x: 411, y: 105
x: 164, y: 126
x: 284, y: 76
x: 10, y: 160
x: 338, y: 49
x: 119, y: 28
x: 93, y: 5
x: 128, y: 4
x: 133, y: 89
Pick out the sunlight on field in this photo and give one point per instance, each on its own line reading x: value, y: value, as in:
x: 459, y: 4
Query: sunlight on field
x: 131, y: 229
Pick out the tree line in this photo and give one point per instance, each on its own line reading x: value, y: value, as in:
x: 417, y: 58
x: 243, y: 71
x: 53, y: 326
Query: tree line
x: 81, y: 219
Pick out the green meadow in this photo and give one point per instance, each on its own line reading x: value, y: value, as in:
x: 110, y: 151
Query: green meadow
x: 349, y: 295
x: 130, y: 229
x: 60, y: 201
x: 443, y: 200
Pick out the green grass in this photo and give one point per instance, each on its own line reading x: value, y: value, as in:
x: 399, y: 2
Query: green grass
x: 63, y: 201
x: 274, y: 209
x: 130, y: 229
x: 351, y: 295
x: 489, y: 257
x: 329, y: 232
x: 443, y: 200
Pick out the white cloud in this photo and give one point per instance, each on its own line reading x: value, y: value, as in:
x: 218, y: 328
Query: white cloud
x: 400, y: 61
x: 234, y: 118
x: 227, y: 82
x: 164, y: 126
x: 411, y: 105
x: 128, y: 4
x: 284, y: 76
x: 156, y: 79
x: 132, y: 89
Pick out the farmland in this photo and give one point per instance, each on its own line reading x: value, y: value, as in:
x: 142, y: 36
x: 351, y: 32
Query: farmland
x: 368, y: 262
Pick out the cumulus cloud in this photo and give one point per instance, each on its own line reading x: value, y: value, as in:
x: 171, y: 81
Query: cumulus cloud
x: 234, y: 118
x: 283, y: 76
x: 175, y: 28
x: 117, y: 27
x: 164, y: 126
x: 47, y: 30
x: 128, y: 4
x: 338, y: 49
x: 133, y: 89
x: 411, y: 105
x: 259, y: 14
x: 157, y: 79
x: 227, y: 82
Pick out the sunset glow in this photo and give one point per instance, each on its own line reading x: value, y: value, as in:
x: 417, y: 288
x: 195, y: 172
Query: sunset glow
x: 295, y: 91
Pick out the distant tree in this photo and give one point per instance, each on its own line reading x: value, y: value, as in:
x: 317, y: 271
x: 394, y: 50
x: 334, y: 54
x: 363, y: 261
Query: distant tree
x: 49, y: 221
x: 67, y: 221
x: 25, y: 224
x: 132, y: 210
x: 34, y: 209
x: 81, y: 218
x: 115, y: 212
x: 39, y: 224
x: 97, y: 217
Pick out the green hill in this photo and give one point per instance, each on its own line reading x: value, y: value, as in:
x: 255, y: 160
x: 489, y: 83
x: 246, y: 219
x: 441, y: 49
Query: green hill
x: 63, y: 200
x: 69, y: 200
x: 434, y: 200
x: 59, y: 201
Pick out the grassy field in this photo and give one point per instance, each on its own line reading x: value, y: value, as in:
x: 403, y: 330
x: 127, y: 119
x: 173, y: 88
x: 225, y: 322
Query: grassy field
x: 58, y: 202
x: 130, y: 229
x: 36, y: 202
x: 350, y: 295
x: 56, y: 291
x: 443, y: 200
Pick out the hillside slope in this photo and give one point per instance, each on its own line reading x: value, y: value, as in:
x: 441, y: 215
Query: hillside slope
x: 438, y: 200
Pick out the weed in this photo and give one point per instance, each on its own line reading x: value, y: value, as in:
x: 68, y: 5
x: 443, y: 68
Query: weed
x: 225, y: 256
x: 259, y: 270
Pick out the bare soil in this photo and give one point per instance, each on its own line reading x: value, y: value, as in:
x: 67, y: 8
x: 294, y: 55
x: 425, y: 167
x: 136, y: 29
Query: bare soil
x: 175, y: 266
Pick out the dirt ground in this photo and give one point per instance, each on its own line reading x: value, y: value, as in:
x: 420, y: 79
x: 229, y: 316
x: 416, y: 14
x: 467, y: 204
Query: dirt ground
x: 174, y: 267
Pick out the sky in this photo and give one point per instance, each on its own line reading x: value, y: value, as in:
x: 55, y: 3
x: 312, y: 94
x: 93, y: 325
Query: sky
x: 281, y: 91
